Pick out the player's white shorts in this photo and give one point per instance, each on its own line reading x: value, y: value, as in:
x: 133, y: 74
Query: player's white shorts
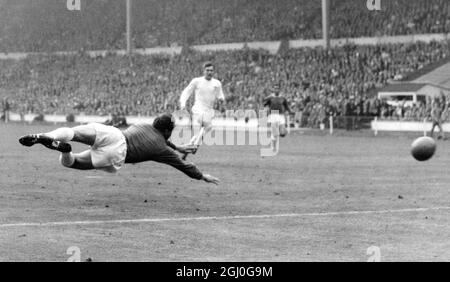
x: 110, y: 148
x: 202, y: 115
x: 276, y: 118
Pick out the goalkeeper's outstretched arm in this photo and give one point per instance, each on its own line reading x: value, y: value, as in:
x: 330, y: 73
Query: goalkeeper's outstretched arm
x: 170, y: 157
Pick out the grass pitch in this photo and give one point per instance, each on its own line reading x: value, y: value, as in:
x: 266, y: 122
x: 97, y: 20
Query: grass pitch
x: 322, y: 198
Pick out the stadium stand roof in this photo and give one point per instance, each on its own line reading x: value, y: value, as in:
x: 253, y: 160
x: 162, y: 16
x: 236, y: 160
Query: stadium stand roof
x: 403, y: 87
x: 413, y: 90
x: 439, y: 77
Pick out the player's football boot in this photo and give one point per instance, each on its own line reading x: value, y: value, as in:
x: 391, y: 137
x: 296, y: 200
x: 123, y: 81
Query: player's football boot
x: 31, y: 139
x: 193, y: 150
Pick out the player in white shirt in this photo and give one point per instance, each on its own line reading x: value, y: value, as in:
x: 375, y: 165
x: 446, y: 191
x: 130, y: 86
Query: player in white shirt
x: 207, y: 90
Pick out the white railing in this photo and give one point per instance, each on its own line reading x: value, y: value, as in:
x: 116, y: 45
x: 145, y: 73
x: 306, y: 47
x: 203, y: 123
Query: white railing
x: 271, y: 46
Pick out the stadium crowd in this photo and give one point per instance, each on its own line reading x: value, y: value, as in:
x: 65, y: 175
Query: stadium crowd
x: 319, y: 83
x: 47, y: 25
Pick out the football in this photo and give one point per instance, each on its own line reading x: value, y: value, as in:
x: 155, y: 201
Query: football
x: 423, y: 148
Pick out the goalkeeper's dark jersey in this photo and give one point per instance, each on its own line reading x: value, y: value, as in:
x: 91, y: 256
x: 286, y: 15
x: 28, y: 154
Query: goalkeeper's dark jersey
x: 277, y: 103
x: 146, y: 143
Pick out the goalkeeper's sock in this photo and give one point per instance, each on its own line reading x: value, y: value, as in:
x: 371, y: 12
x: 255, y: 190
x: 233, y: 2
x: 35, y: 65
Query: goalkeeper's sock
x: 63, y: 134
x: 67, y: 159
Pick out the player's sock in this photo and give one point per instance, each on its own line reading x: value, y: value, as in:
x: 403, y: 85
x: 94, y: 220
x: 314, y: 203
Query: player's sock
x: 273, y: 143
x: 67, y: 159
x: 193, y: 139
x: 196, y: 138
x: 199, y: 137
x: 63, y: 134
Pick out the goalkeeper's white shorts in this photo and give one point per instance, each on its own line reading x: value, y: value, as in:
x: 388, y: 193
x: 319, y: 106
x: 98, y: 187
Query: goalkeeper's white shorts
x: 110, y: 148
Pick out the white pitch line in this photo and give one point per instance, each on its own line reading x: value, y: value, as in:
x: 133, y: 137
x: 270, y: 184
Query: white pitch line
x: 153, y: 220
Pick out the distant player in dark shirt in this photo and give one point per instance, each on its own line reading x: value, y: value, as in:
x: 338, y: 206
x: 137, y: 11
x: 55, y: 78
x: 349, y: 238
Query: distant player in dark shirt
x: 5, y: 107
x: 436, y: 118
x: 111, y: 148
x: 278, y: 107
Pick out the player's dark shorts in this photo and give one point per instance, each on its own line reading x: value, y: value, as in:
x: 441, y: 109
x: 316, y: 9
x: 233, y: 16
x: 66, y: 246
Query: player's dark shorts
x: 436, y: 122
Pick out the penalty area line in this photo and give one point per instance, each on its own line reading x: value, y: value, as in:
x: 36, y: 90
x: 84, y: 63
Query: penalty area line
x: 205, y: 218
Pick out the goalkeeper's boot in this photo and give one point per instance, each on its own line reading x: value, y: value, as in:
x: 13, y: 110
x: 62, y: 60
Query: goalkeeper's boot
x: 31, y: 139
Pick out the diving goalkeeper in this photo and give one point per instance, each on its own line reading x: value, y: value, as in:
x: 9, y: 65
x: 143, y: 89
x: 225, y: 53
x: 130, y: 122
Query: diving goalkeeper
x: 111, y: 147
